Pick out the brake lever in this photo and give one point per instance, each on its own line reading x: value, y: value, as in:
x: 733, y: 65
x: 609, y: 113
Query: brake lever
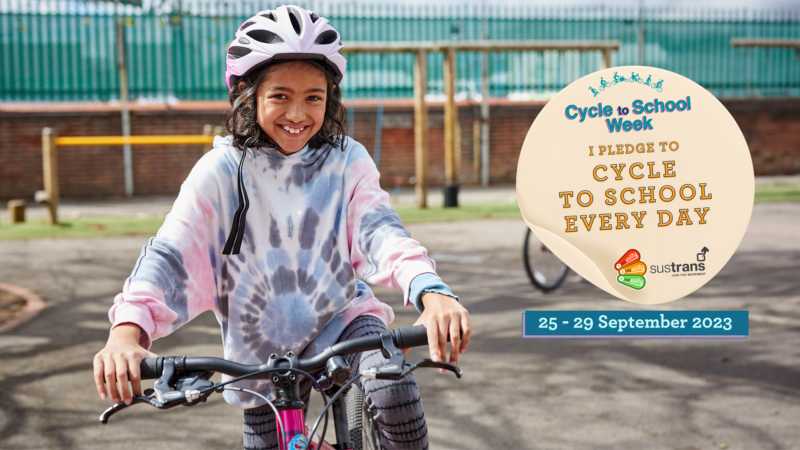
x: 397, y: 367
x: 428, y: 363
x: 122, y: 405
x: 394, y: 372
x: 171, y: 389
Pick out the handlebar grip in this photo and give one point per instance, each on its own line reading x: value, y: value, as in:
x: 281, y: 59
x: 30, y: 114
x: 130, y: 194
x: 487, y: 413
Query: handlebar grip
x: 150, y: 368
x: 407, y: 337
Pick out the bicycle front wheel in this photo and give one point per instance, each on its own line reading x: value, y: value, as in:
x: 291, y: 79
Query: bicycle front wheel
x: 544, y: 269
x: 363, y: 429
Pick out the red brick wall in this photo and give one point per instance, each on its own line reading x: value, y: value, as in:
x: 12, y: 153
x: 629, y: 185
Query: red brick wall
x: 771, y: 127
x: 93, y: 171
x: 772, y: 131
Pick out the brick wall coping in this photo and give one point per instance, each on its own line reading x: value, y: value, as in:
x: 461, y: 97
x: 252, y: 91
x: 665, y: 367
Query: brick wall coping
x: 217, y: 106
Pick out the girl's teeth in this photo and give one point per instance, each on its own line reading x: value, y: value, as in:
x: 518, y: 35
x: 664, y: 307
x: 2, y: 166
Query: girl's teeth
x: 293, y: 131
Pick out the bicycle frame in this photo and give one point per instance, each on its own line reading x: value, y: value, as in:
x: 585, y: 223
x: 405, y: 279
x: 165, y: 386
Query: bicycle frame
x: 294, y: 425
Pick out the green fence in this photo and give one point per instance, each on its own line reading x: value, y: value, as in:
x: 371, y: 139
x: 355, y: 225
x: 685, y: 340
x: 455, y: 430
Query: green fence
x: 65, y: 50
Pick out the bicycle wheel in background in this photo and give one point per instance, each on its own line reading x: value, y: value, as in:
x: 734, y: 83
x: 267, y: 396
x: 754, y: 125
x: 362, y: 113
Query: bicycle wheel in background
x: 363, y: 430
x: 545, y: 270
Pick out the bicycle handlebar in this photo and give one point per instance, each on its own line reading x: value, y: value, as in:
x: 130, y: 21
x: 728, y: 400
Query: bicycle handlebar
x: 405, y: 337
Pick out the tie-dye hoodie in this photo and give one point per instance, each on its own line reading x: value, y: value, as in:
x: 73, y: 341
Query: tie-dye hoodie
x: 315, y: 216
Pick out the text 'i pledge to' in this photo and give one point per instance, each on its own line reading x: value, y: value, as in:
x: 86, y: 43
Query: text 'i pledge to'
x: 638, y: 107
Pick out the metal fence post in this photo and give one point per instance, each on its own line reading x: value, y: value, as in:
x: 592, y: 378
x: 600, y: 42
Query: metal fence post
x: 122, y: 67
x: 485, y: 119
x: 50, y: 166
x: 421, y: 127
x: 208, y: 131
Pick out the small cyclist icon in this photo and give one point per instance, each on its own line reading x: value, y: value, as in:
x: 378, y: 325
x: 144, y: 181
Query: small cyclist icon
x: 657, y: 86
x: 648, y: 80
x: 617, y: 78
x: 594, y: 91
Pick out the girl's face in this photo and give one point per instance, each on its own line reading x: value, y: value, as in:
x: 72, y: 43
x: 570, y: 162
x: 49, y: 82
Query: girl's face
x: 291, y: 104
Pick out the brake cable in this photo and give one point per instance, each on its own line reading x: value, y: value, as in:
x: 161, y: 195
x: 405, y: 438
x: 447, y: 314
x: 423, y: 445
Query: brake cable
x: 325, y: 410
x: 274, y: 409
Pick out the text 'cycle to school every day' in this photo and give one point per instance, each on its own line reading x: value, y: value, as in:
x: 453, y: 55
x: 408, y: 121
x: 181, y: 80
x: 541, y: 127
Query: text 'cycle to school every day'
x: 638, y: 179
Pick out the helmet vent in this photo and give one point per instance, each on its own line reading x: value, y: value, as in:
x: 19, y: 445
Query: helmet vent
x: 327, y: 37
x: 244, y: 41
x: 245, y: 25
x: 237, y: 52
x: 265, y: 36
x: 314, y: 17
x: 294, y: 17
x: 270, y: 16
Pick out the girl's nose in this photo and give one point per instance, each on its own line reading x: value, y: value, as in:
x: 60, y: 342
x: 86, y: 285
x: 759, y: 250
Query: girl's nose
x: 295, y: 112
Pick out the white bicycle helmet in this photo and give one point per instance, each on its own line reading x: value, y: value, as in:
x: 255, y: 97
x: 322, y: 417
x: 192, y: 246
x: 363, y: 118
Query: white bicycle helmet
x: 288, y: 32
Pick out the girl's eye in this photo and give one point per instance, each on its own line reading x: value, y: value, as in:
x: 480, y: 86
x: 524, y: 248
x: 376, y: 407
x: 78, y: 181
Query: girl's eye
x: 279, y: 96
x: 314, y: 98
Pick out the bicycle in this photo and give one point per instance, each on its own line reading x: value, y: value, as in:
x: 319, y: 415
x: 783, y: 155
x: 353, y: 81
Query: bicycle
x: 544, y: 269
x: 657, y: 86
x: 185, y: 381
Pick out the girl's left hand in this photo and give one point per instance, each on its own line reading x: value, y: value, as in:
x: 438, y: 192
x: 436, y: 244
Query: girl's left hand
x: 444, y: 315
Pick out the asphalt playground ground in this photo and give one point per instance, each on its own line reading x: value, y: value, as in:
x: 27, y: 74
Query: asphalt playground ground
x: 515, y: 393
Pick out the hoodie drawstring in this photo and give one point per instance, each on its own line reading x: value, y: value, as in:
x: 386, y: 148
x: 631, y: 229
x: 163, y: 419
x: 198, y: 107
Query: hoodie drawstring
x: 236, y: 235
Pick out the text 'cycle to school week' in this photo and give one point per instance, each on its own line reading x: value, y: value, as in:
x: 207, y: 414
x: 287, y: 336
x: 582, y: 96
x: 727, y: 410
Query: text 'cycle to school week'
x: 639, y: 180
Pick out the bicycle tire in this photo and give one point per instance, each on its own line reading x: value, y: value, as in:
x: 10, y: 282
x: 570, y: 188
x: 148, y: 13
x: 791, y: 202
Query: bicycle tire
x: 543, y: 267
x: 363, y: 430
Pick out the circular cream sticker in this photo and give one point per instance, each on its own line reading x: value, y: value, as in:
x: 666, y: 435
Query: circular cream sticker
x: 639, y: 180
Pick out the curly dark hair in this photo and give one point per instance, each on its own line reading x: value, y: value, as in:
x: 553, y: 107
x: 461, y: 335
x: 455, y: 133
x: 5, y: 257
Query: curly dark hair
x: 241, y: 120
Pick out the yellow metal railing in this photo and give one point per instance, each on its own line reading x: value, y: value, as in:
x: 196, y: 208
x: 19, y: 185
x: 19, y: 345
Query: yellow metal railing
x: 51, y: 142
x: 133, y: 140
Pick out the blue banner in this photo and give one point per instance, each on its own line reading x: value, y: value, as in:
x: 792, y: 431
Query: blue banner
x: 635, y: 324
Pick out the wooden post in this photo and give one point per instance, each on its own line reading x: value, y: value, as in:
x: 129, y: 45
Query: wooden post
x: 450, y: 117
x: 421, y: 127
x: 16, y: 211
x: 606, y: 58
x: 50, y: 166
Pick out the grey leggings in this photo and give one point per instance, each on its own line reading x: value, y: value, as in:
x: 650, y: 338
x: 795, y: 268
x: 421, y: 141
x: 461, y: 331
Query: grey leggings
x: 396, y: 405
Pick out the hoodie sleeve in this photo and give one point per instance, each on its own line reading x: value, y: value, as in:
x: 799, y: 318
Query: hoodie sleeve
x: 381, y: 249
x: 173, y: 280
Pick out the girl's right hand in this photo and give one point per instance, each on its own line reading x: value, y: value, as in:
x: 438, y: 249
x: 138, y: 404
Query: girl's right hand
x: 119, y: 363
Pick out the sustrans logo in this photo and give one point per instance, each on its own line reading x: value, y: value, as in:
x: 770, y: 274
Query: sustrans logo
x: 630, y: 270
x: 680, y: 269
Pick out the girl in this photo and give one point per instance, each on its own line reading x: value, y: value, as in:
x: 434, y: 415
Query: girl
x: 268, y: 230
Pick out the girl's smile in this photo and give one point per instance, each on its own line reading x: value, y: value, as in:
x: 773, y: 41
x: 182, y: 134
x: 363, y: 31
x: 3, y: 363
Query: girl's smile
x: 291, y: 104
